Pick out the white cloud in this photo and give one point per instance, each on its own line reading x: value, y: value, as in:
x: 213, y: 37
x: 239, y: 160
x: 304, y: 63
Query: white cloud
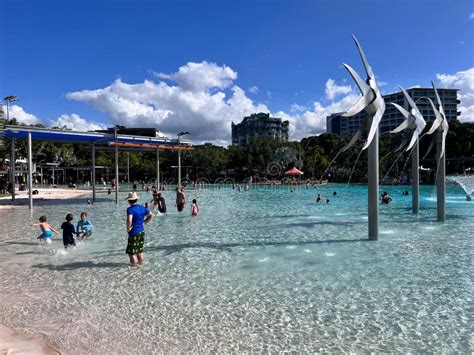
x: 333, y: 90
x: 201, y: 76
x: 311, y: 122
x: 76, y: 123
x: 207, y: 114
x: 464, y: 81
x: 253, y: 89
x: 471, y: 16
x: 298, y: 108
x: 22, y: 116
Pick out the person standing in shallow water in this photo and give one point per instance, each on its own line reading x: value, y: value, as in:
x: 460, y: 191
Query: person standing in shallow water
x: 180, y: 199
x: 137, y: 216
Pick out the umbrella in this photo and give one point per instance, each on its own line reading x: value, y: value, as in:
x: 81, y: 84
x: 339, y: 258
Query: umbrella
x: 293, y: 171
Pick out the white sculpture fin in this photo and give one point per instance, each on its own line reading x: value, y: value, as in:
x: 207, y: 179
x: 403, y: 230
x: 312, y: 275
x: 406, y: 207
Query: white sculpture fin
x: 409, y: 99
x: 374, y: 126
x: 445, y: 133
x: 361, y: 84
x: 402, y: 110
x: 367, y: 67
x: 414, y: 138
x: 441, y: 109
x: 360, y: 105
x: 438, y: 120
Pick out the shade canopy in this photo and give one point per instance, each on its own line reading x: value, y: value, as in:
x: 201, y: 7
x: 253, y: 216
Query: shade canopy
x: 294, y: 171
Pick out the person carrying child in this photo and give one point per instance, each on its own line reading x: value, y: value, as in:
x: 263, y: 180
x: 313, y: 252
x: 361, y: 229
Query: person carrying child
x: 46, y: 230
x: 84, y: 227
x: 68, y: 232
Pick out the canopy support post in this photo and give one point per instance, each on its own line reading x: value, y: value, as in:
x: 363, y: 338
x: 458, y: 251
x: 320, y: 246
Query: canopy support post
x: 12, y: 168
x: 30, y: 172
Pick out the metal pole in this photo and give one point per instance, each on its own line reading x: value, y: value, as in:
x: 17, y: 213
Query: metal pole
x: 42, y: 177
x: 373, y: 187
x: 158, y: 169
x: 12, y: 168
x: 30, y: 172
x: 415, y: 178
x: 116, y: 175
x: 128, y: 167
x: 179, y: 168
x: 441, y: 178
x: 93, y: 172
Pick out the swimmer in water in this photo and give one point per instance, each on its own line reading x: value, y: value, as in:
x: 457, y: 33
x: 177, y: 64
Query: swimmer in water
x: 194, y: 208
x: 385, y: 198
x: 319, y: 199
x: 46, y: 229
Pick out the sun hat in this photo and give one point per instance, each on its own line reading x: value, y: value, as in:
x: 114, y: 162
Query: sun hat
x: 132, y: 196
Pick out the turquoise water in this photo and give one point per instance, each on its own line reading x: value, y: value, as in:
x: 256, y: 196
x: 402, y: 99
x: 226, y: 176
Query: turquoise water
x: 266, y: 270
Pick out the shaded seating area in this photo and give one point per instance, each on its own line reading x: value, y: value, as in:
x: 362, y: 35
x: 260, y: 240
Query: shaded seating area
x: 96, y: 140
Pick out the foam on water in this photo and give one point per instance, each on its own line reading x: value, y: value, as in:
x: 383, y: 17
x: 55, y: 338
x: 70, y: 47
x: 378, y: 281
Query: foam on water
x: 246, y: 277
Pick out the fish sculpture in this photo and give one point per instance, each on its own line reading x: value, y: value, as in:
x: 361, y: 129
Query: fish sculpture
x: 440, y: 124
x: 413, y: 120
x: 371, y: 101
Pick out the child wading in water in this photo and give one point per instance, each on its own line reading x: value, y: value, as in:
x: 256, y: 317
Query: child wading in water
x: 84, y: 227
x: 46, y: 229
x: 68, y: 232
x: 194, y: 208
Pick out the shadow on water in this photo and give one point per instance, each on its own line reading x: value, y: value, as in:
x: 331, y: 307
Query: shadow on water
x: 80, y: 265
x: 317, y: 223
x: 170, y: 249
x: 21, y: 243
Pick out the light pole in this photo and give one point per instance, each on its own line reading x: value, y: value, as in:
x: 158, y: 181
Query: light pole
x: 179, y: 156
x: 9, y: 99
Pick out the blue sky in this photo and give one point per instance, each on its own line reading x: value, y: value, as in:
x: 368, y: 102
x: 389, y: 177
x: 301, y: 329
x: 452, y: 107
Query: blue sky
x: 280, y: 54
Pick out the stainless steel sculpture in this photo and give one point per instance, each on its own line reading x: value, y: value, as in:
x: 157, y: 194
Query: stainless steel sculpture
x: 373, y: 104
x: 440, y: 125
x: 413, y: 120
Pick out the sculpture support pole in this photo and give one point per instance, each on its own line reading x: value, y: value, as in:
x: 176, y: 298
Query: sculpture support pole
x: 415, y: 178
x: 30, y: 172
x: 441, y: 178
x: 374, y: 187
x: 12, y: 168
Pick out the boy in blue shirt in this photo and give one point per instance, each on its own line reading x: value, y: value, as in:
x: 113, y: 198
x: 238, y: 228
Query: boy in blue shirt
x: 84, y: 227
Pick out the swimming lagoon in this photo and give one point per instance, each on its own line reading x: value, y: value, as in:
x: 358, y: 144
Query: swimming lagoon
x: 265, y: 270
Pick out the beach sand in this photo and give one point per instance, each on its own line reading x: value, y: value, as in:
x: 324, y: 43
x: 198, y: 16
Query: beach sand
x: 14, y: 342
x: 43, y: 197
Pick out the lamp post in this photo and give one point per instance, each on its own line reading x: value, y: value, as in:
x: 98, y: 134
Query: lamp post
x: 179, y: 156
x: 9, y: 99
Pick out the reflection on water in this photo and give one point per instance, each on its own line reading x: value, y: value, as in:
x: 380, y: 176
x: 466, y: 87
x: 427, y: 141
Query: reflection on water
x: 259, y: 271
